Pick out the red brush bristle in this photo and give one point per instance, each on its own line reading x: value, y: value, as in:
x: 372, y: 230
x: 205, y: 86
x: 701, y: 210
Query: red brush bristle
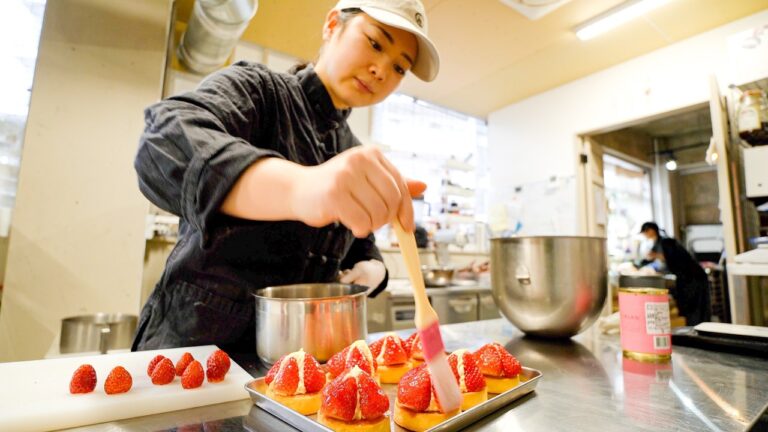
x: 446, y: 388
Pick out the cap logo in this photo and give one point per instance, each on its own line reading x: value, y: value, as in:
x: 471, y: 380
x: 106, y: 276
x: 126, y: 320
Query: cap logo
x: 418, y: 19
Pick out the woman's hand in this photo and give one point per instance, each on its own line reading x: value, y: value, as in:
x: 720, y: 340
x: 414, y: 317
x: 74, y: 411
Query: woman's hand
x: 367, y: 273
x: 359, y: 188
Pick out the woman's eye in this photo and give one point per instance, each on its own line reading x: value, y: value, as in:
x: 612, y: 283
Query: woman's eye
x: 399, y: 70
x: 375, y: 44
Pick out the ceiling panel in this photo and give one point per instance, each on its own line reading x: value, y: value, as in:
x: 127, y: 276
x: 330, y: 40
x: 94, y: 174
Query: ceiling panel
x: 492, y: 56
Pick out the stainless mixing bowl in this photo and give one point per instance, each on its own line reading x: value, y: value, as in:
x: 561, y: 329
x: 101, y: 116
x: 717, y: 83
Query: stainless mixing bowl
x: 549, y: 286
x: 320, y: 318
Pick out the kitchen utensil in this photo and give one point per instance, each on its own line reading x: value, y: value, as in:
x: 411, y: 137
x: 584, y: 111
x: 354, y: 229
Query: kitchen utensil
x: 551, y: 286
x: 320, y: 318
x: 35, y: 394
x: 98, y: 332
x: 446, y: 387
x: 437, y: 276
x: 528, y: 380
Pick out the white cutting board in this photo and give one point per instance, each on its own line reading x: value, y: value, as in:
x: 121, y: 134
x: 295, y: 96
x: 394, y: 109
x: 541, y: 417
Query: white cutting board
x: 34, y: 395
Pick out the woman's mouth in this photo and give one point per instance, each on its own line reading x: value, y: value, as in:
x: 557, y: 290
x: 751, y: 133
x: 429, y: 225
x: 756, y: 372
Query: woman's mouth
x: 362, y: 86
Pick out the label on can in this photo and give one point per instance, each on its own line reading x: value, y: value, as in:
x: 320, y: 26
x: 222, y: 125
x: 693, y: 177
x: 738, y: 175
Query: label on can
x: 644, y: 322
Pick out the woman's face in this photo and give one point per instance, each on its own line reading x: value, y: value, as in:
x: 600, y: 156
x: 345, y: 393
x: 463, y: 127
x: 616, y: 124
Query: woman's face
x: 363, y: 61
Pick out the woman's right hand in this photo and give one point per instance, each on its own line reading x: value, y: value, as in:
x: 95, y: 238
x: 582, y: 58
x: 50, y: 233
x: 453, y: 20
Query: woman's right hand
x: 359, y: 188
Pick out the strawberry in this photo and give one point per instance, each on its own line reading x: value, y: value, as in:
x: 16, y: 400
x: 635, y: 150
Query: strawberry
x: 394, y: 350
x: 314, y: 377
x: 494, y: 360
x: 183, y: 362
x: 164, y: 372
x: 336, y: 364
x: 286, y: 380
x: 473, y: 378
x: 373, y: 401
x: 153, y: 363
x: 273, y: 370
x: 339, y: 398
x: 217, y: 366
x: 357, y: 354
x: 413, y: 346
x: 118, y: 381
x: 193, y: 375
x: 415, y: 388
x: 83, y: 380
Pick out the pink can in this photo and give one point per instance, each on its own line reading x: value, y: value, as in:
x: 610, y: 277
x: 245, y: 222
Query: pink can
x: 644, y: 323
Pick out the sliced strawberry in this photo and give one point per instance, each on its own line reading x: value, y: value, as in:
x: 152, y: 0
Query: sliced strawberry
x: 287, y: 378
x: 164, y: 372
x: 494, y: 360
x: 153, y: 363
x: 314, y: 377
x: 218, y: 364
x: 183, y: 362
x: 336, y: 364
x: 83, y: 380
x: 394, y: 350
x: 357, y: 358
x: 373, y: 401
x: 118, y: 381
x: 413, y: 346
x: 340, y: 398
x: 193, y: 375
x: 415, y: 388
x: 272, y: 371
x: 474, y: 379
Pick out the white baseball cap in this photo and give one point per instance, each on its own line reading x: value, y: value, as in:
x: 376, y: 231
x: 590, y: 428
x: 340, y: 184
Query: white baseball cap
x: 408, y: 15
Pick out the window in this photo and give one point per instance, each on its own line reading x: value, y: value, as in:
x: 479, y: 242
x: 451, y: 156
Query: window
x: 20, y: 23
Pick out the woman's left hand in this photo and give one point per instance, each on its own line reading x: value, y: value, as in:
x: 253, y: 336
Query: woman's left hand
x: 367, y: 273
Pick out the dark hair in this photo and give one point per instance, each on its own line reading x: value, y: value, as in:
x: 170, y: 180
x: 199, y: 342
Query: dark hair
x: 650, y: 226
x: 344, y: 16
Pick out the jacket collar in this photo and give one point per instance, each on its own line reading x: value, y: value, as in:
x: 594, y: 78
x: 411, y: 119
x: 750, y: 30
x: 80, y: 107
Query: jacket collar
x: 326, y: 115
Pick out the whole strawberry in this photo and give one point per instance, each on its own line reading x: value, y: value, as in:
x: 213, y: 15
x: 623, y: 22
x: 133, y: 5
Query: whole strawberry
x: 193, y: 375
x: 164, y: 372
x: 183, y: 362
x: 83, y: 380
x: 152, y: 363
x: 118, y: 381
x: 217, y: 366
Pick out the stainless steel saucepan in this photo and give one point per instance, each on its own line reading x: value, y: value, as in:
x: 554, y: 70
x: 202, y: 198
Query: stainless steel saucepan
x: 320, y: 318
x: 98, y: 332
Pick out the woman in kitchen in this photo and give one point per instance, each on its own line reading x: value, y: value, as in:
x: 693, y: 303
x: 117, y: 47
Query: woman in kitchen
x: 270, y: 184
x: 692, y: 286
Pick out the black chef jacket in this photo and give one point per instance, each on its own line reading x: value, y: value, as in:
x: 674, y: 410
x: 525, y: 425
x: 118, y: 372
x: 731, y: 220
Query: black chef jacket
x: 691, y: 291
x: 192, y: 151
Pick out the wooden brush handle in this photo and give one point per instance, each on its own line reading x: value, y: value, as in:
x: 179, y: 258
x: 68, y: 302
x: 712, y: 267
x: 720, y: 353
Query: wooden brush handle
x: 425, y: 315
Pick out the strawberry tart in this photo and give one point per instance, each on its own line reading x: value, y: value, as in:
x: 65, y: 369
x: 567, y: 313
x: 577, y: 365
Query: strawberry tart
x: 471, y: 380
x: 391, y: 358
x: 357, y: 354
x: 500, y: 368
x: 354, y: 402
x: 416, y: 406
x: 296, y: 381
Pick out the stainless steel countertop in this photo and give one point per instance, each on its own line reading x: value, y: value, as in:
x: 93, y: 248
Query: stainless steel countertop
x: 586, y: 386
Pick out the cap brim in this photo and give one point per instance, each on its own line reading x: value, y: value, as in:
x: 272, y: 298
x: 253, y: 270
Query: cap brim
x: 427, y: 60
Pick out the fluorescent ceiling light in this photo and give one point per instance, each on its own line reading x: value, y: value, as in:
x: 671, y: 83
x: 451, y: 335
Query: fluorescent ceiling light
x: 616, y: 16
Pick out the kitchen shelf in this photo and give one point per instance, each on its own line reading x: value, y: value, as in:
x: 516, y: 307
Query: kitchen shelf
x: 457, y: 191
x: 455, y: 164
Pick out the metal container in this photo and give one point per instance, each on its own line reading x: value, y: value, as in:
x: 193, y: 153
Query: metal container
x: 322, y: 319
x: 437, y: 276
x: 98, y: 332
x: 549, y: 286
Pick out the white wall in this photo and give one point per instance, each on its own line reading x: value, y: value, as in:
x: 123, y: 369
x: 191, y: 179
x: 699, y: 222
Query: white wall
x: 534, y: 139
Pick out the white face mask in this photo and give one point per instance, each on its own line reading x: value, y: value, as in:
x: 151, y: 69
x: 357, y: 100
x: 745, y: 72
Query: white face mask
x: 646, y: 246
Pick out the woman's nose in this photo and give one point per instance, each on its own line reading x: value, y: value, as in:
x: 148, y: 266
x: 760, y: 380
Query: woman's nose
x: 377, y: 70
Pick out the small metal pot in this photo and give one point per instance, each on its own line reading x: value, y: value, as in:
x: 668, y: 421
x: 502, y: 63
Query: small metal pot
x: 320, y: 318
x: 98, y: 332
x: 437, y: 276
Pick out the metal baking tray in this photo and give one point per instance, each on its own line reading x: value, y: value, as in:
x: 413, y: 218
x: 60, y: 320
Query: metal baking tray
x: 528, y: 380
